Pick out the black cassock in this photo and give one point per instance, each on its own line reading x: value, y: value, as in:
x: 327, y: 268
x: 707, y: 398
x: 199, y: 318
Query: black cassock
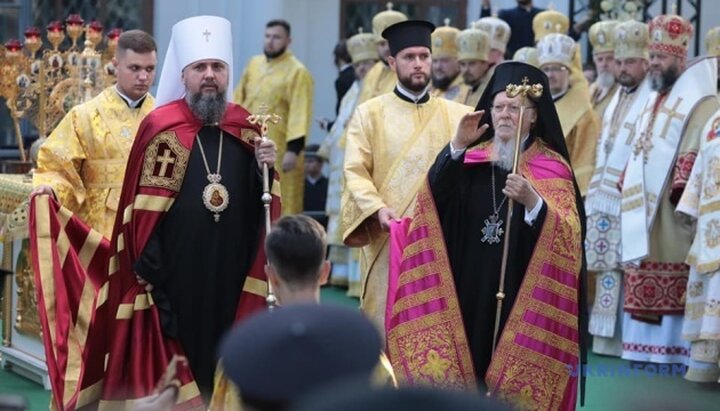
x: 198, y: 266
x: 463, y: 196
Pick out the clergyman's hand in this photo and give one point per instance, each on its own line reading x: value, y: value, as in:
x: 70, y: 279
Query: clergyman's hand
x: 42, y: 189
x: 162, y: 401
x: 289, y: 161
x: 468, y: 131
x: 520, y: 190
x: 385, y: 217
x: 265, y: 152
x: 144, y: 283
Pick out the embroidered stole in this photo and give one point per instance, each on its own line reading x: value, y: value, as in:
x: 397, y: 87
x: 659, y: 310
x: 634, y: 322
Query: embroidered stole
x: 539, y: 343
x: 655, y: 153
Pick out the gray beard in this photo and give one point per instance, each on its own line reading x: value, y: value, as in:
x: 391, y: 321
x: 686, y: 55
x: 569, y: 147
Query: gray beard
x: 208, y: 108
x: 605, y: 80
x: 503, y: 152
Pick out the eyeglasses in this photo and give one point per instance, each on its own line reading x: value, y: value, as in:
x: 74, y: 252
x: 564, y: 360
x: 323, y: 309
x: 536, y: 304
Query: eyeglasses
x: 553, y: 69
x: 511, y: 109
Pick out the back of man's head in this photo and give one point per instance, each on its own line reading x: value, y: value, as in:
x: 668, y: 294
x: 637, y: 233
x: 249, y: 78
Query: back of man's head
x: 296, y: 248
x: 136, y: 40
x: 277, y: 357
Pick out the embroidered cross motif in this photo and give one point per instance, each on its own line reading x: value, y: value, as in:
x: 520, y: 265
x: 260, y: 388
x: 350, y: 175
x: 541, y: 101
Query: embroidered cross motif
x: 671, y: 113
x: 631, y: 129
x: 172, y: 162
x: 207, y: 34
x: 165, y: 160
x: 601, y: 246
x: 608, y: 282
x: 606, y: 300
x: 603, y: 224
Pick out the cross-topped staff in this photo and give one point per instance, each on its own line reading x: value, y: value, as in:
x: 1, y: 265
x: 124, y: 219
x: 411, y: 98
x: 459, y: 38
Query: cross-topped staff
x: 263, y: 118
x: 512, y: 90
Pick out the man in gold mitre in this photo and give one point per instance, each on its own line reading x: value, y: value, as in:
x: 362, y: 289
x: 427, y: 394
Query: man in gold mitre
x: 381, y: 79
x: 446, y: 80
x: 558, y: 56
x: 474, y: 56
x: 603, y: 54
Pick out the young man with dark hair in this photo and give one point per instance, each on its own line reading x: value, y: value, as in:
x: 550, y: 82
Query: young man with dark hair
x: 297, y: 264
x: 82, y: 163
x: 279, y: 23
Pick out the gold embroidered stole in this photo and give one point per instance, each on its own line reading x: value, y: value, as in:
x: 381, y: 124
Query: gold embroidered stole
x: 650, y: 167
x: 539, y: 345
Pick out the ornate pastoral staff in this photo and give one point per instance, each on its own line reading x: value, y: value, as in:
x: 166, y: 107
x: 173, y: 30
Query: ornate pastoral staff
x: 263, y: 118
x: 512, y: 90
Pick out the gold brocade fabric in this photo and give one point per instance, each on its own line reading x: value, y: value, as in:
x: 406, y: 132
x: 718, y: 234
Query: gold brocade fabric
x: 600, y: 101
x: 378, y: 81
x: 472, y: 97
x: 84, y: 158
x: 581, y: 127
x: 14, y: 191
x: 391, y: 144
x: 457, y: 91
x: 529, y: 368
x: 286, y: 87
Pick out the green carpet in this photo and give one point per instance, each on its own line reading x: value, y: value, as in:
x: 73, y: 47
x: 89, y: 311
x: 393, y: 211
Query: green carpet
x: 625, y: 392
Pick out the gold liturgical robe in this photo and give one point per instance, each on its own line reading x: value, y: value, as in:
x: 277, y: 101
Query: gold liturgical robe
x: 581, y: 127
x: 378, y: 81
x: 472, y: 94
x: 457, y: 91
x: 391, y: 144
x: 600, y: 98
x: 286, y: 87
x: 84, y: 158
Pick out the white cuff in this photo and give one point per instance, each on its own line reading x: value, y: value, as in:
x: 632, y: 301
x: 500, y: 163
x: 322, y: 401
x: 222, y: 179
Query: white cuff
x: 531, y: 215
x: 456, y: 153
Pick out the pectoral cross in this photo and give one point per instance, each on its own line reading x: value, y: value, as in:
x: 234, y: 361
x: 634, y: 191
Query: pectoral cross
x: 165, y: 160
x: 207, y: 34
x: 671, y: 113
x: 263, y: 118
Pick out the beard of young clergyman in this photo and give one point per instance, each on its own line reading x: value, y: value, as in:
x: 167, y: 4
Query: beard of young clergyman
x: 503, y: 153
x: 273, y: 54
x: 415, y: 87
x: 209, y: 108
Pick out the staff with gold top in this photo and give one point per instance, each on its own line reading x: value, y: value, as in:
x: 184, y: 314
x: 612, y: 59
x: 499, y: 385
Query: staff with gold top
x: 263, y: 119
x: 512, y: 91
x: 506, y: 176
